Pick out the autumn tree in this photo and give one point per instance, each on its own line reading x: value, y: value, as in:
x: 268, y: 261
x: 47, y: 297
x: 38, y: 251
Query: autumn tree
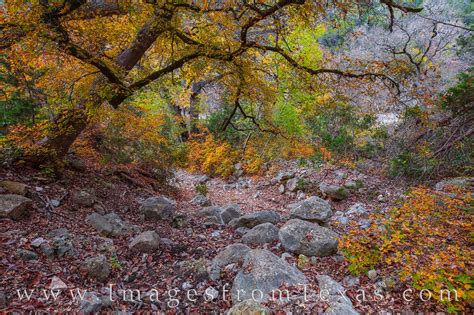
x: 122, y: 47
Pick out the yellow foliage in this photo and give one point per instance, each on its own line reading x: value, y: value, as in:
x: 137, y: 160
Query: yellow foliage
x: 297, y: 149
x: 211, y: 156
x: 427, y: 238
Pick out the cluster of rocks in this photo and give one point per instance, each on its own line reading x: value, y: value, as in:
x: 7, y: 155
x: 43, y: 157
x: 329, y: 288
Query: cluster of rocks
x: 358, y: 211
x: 57, y: 244
x: 259, y: 270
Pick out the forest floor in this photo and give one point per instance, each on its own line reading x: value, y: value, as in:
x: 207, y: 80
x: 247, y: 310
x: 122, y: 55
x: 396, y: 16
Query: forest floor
x: 188, y: 239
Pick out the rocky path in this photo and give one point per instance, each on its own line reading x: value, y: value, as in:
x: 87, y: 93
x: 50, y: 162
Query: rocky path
x: 129, y: 248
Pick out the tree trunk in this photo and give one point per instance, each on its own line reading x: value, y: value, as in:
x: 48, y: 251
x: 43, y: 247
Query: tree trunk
x: 70, y: 123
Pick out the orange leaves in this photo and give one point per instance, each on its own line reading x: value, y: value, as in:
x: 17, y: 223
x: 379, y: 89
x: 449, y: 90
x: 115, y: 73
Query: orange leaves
x: 211, y: 156
x: 427, y: 238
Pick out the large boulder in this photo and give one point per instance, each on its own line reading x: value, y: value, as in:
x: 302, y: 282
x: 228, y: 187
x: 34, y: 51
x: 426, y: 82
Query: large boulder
x: 107, y: 225
x: 334, y: 192
x: 261, y: 234
x: 248, y: 307
x: 157, y: 208
x: 97, y: 268
x: 313, y: 209
x: 14, y: 206
x: 254, y: 219
x: 262, y: 274
x: 303, y: 237
x: 148, y: 241
x: 232, y: 254
x: 15, y: 188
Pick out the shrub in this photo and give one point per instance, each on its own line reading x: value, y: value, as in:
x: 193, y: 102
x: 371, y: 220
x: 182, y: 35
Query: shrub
x: 131, y: 135
x: 427, y: 240
x: 211, y: 156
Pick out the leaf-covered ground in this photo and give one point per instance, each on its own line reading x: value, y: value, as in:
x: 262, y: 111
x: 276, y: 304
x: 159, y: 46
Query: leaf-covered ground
x: 190, y: 238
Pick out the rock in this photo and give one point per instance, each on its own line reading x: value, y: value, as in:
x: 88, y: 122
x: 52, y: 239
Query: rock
x: 212, y: 222
x: 232, y: 254
x: 57, y: 284
x: 97, y: 268
x: 340, y: 174
x: 285, y: 256
x: 15, y: 188
x: 196, y: 268
x: 26, y: 254
x: 147, y: 241
x: 76, y: 163
x: 91, y: 303
x: 334, y: 192
x: 212, y: 211
x: 333, y: 294
x: 216, y: 234
x: 284, y: 176
x: 343, y: 220
x: 300, y: 195
x: 230, y: 212
x: 303, y: 262
x: 202, y: 179
x: 82, y: 198
x: 261, y: 234
x: 350, y: 281
x: 14, y: 206
x: 263, y: 272
x: 59, y: 233
x: 36, y: 243
x: 313, y: 209
x: 3, y: 300
x: 281, y: 189
x: 350, y: 184
x: 167, y: 242
x: 179, y: 221
x: 105, y: 245
x: 55, y: 203
x: 357, y: 209
x: 330, y: 286
x: 46, y: 249
x: 99, y: 209
x: 157, y: 208
x: 201, y: 200
x: 340, y: 309
x: 242, y: 230
x: 292, y: 184
x: 254, y: 219
x: 248, y: 307
x: 63, y: 247
x: 372, y: 274
x: 460, y: 182
x: 107, y: 225
x: 364, y: 224
x: 303, y: 237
